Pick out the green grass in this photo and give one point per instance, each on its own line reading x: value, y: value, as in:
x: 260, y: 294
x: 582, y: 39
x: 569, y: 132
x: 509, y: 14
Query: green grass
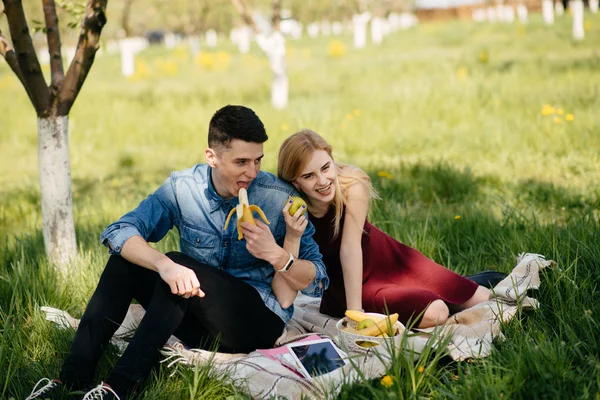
x: 458, y: 137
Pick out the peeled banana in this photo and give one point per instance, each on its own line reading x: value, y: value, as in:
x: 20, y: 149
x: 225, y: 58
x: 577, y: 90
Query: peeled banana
x: 244, y: 213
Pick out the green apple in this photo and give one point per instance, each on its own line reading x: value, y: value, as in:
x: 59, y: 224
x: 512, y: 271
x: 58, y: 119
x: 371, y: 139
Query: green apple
x: 365, y: 323
x: 298, y: 202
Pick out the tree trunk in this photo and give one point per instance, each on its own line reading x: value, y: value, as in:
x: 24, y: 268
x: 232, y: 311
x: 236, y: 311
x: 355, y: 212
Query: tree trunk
x: 274, y: 47
x: 55, y: 187
x: 359, y: 25
x: 577, y: 8
x: 548, y: 11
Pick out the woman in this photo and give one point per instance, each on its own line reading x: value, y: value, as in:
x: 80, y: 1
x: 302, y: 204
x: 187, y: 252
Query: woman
x: 367, y: 269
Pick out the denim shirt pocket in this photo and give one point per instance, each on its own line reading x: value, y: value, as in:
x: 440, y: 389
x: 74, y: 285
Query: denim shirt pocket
x: 199, y: 244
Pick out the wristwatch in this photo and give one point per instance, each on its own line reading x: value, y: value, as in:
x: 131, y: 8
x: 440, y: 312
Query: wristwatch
x: 288, y: 264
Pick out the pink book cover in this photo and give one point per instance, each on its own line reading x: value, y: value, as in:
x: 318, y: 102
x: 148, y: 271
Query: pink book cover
x: 278, y: 353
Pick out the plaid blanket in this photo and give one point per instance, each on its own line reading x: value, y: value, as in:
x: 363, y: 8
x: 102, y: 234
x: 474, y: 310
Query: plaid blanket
x: 466, y: 334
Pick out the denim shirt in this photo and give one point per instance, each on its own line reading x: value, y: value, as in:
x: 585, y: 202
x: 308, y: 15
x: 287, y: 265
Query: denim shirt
x: 188, y: 200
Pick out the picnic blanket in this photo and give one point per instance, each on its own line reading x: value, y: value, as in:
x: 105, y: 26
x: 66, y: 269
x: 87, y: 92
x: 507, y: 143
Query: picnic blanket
x: 467, y: 334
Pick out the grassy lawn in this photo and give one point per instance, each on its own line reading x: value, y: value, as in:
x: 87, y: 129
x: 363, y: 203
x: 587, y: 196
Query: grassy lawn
x: 483, y: 140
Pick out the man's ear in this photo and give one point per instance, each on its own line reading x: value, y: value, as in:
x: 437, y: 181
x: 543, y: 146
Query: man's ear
x: 211, y: 157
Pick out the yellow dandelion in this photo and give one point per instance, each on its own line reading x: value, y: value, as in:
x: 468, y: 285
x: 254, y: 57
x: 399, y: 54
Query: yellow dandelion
x: 587, y: 25
x: 142, y: 71
x: 569, y: 117
x: 205, y: 60
x: 387, y: 381
x: 483, y: 56
x: 558, y: 120
x: 223, y: 59
x: 547, y: 110
x: 457, y: 217
x: 356, y: 112
x: 168, y: 67
x: 384, y: 174
x: 461, y: 73
x: 285, y: 127
x: 181, y: 53
x: 349, y: 117
x: 421, y: 369
x: 337, y: 49
x: 560, y: 111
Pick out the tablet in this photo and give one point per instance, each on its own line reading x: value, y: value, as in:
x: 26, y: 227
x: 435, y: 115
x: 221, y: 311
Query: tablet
x: 316, y: 357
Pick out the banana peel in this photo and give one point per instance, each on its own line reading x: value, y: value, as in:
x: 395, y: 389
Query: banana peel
x: 244, y: 213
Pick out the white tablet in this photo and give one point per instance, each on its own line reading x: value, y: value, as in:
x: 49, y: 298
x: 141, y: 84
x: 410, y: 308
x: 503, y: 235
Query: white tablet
x: 316, y: 357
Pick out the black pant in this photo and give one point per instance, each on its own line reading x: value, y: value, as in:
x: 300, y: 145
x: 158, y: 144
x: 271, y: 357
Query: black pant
x: 232, y: 312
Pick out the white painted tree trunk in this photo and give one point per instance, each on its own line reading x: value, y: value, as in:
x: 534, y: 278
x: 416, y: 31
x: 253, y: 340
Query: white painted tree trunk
x: 491, y: 14
x: 577, y: 9
x: 274, y: 47
x: 593, y: 6
x: 211, y: 38
x: 127, y: 57
x: 55, y: 186
x: 522, y: 13
x: 359, y: 28
x: 559, y: 9
x: 337, y: 28
x: 377, y: 30
x: 243, y: 40
x: 548, y: 11
x: 313, y: 30
x: 194, y: 44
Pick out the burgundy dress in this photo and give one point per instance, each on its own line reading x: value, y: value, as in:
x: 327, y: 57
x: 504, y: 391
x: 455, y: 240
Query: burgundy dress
x: 393, y: 274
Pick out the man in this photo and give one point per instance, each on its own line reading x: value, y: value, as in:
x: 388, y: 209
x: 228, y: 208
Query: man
x: 217, y: 288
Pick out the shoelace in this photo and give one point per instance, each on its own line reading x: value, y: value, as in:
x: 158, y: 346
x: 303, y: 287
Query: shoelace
x: 35, y: 392
x: 98, y: 392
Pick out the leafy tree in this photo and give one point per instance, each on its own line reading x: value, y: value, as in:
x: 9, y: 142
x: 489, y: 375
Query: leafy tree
x: 52, y: 105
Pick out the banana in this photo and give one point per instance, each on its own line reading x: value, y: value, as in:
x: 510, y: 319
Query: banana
x: 383, y: 326
x: 244, y: 213
x: 358, y: 316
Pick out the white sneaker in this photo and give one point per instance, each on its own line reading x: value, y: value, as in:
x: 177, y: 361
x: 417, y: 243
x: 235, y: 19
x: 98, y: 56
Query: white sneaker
x: 101, y: 392
x: 50, y: 390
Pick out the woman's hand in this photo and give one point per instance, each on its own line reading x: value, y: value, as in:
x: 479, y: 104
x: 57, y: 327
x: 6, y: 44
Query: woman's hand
x: 296, y: 224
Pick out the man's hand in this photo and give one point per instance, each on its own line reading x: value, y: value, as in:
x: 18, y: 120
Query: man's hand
x: 182, y: 280
x: 261, y: 243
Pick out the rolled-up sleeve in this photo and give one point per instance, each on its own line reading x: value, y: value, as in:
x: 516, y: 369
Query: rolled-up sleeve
x: 309, y: 251
x: 151, y: 219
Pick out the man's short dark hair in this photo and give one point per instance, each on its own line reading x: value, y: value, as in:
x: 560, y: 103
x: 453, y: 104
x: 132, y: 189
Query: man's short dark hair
x: 235, y: 122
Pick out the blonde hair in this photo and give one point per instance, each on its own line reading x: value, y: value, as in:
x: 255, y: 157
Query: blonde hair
x: 295, y: 153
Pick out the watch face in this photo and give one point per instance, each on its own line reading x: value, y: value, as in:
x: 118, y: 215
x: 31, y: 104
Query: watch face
x: 288, y: 265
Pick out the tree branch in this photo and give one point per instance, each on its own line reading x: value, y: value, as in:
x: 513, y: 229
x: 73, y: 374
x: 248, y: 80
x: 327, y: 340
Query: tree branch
x: 11, y: 59
x: 89, y: 38
x: 276, y: 14
x: 26, y: 57
x: 125, y: 17
x: 54, y: 47
x: 244, y: 11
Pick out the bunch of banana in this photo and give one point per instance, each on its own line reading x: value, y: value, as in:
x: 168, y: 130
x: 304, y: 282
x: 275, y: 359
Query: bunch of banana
x: 244, y: 213
x: 370, y: 325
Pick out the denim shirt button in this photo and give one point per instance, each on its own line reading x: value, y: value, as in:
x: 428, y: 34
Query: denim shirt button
x: 225, y: 244
x: 198, y: 240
